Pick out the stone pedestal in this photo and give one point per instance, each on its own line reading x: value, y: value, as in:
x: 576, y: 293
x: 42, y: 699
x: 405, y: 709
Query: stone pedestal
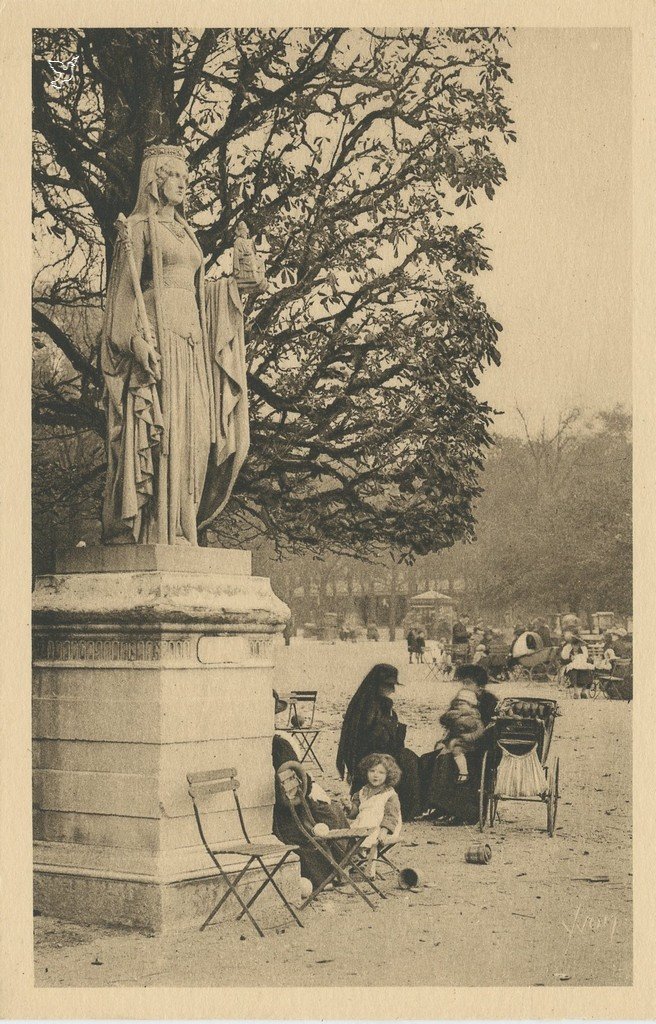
x: 149, y: 663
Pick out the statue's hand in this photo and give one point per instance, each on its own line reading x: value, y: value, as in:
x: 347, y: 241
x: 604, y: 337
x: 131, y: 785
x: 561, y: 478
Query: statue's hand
x: 146, y: 356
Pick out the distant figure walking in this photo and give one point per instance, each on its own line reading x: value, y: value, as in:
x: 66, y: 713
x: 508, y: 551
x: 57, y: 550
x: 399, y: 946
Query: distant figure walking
x: 459, y: 633
x: 420, y: 647
x: 411, y: 642
x: 460, y: 643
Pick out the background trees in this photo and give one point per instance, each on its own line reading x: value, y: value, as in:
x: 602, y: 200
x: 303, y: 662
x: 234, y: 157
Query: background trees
x: 553, y: 533
x: 563, y: 538
x: 554, y: 522
x: 348, y: 152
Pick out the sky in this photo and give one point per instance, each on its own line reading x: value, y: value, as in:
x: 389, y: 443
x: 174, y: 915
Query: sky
x: 560, y: 228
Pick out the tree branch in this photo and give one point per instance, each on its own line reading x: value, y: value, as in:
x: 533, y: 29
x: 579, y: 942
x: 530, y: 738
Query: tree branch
x: 77, y: 360
x: 194, y: 70
x: 269, y: 99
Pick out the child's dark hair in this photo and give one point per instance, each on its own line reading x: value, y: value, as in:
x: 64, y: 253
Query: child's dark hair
x: 388, y: 763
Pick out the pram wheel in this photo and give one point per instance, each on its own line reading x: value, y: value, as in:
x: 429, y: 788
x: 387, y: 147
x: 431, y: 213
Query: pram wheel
x: 552, y: 668
x: 552, y: 797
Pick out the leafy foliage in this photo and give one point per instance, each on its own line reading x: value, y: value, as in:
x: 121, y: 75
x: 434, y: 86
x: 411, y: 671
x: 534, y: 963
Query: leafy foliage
x: 553, y: 534
x: 349, y: 152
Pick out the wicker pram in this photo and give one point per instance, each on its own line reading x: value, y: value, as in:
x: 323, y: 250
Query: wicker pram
x: 515, y: 765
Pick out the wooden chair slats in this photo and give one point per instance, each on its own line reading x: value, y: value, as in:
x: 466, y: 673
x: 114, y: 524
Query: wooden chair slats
x: 201, y: 789
x: 222, y: 780
x: 209, y: 776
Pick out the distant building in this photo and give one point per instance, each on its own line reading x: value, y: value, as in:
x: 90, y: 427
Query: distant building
x: 432, y: 611
x: 369, y: 595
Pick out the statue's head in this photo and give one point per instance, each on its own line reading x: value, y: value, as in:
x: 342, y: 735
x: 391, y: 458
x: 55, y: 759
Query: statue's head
x: 172, y: 178
x: 242, y: 230
x: 164, y: 174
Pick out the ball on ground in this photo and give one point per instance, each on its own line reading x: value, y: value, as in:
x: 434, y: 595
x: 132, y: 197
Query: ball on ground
x: 305, y: 888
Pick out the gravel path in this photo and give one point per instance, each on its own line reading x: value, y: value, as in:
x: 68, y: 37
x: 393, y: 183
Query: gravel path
x: 529, y: 917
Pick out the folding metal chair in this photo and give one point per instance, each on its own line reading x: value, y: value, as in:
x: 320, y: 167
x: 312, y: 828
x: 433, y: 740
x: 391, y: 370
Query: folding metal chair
x: 300, y: 703
x: 383, y: 854
x: 206, y: 784
x: 338, y: 847
x: 437, y: 665
x: 384, y: 849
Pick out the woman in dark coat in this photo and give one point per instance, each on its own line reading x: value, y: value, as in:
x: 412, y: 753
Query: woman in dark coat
x: 371, y: 726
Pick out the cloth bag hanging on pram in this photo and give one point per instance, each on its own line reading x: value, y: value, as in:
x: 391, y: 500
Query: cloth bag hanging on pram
x: 520, y: 775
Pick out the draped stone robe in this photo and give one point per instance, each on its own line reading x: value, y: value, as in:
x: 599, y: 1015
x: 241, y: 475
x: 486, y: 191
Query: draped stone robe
x: 177, y: 443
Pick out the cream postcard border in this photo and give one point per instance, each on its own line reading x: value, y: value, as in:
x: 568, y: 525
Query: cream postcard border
x: 18, y: 996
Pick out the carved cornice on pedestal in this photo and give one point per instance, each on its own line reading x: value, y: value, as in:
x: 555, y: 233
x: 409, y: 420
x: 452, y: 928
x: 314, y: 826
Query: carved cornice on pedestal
x: 195, y: 649
x: 159, y: 599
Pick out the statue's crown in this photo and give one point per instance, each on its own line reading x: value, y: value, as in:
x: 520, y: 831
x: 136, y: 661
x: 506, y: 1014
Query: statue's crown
x: 166, y: 150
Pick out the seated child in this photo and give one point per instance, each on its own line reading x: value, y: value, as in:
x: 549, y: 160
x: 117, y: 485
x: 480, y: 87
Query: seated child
x: 609, y: 657
x: 440, y: 657
x: 464, y: 727
x: 579, y: 670
x: 376, y: 806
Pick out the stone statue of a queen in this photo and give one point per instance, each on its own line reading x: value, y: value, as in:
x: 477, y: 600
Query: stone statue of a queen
x: 173, y: 360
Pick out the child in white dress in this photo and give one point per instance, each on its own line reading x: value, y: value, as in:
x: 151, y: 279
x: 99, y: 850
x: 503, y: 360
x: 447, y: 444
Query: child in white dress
x: 376, y: 806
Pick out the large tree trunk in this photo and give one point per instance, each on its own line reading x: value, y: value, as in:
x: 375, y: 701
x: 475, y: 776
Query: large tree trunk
x: 136, y: 76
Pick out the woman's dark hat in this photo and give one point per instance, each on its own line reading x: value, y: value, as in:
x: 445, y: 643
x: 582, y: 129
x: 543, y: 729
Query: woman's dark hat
x: 385, y: 675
